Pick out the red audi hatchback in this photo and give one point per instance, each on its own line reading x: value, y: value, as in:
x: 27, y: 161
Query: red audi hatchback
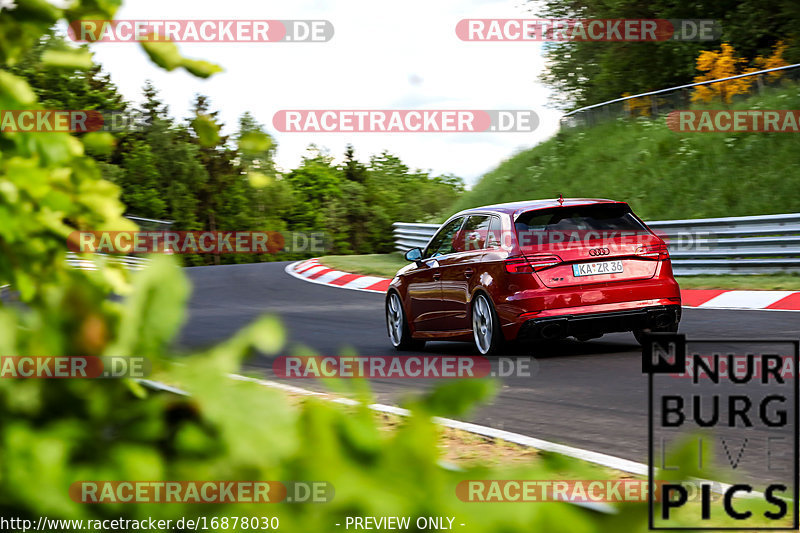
x: 544, y: 269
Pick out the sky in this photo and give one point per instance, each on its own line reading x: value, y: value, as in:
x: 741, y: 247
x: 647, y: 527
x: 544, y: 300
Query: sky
x: 382, y: 56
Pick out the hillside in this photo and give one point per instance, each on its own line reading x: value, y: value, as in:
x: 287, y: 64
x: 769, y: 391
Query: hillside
x: 661, y: 173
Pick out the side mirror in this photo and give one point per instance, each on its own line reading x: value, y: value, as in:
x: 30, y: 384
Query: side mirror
x: 414, y: 254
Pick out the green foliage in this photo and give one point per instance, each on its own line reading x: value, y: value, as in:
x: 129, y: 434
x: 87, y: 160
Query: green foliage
x: 254, y: 142
x: 207, y: 130
x: 98, y: 143
x: 165, y: 54
x: 661, y: 173
x: 69, y: 58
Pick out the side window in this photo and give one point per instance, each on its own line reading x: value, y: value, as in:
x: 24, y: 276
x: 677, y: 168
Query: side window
x: 473, y: 235
x: 494, y: 238
x: 442, y: 242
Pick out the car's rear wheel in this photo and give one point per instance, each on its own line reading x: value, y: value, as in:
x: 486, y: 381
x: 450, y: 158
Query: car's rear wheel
x: 396, y: 323
x: 639, y: 333
x: 485, y: 326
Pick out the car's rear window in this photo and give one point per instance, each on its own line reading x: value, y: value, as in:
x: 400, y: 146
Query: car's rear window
x: 603, y: 218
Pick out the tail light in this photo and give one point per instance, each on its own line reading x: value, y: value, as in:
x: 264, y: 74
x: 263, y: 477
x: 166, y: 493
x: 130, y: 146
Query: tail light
x: 519, y: 265
x: 653, y: 251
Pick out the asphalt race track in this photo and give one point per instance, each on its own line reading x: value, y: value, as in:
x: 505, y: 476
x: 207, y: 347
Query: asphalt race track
x: 590, y: 395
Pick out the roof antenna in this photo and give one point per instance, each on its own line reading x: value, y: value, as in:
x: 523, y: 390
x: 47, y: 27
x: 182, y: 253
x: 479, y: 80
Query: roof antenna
x: 561, y: 199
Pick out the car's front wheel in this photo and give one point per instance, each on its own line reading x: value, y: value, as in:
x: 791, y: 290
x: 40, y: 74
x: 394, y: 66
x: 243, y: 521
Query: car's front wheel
x: 399, y: 333
x: 485, y: 326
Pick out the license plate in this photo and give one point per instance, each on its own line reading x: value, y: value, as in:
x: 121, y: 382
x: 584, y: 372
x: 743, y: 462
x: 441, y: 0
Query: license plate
x: 596, y: 269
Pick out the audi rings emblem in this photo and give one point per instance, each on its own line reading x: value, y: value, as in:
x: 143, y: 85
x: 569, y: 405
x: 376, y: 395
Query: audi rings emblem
x: 594, y: 252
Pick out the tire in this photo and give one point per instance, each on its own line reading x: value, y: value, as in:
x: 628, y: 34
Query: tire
x: 397, y: 325
x: 639, y: 333
x: 486, y: 330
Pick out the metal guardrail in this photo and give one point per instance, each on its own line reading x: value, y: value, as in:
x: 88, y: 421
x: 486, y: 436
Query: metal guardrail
x: 130, y: 261
x: 408, y: 235
x: 150, y: 224
x: 733, y: 245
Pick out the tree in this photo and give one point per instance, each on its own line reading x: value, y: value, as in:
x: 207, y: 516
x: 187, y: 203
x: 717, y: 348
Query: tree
x: 141, y: 183
x: 153, y: 108
x: 268, y: 196
x: 315, y: 183
x: 256, y: 147
x: 353, y: 169
x: 225, y: 198
x: 176, y: 158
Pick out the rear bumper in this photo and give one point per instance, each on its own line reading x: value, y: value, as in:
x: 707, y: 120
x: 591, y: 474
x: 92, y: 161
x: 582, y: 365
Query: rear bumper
x: 594, y: 324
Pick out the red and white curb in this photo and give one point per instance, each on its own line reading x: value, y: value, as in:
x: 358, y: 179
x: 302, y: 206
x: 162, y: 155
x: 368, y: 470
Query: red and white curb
x: 730, y: 299
x: 315, y: 272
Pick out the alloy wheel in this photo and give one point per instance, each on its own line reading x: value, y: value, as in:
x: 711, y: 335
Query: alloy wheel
x: 394, y: 319
x: 482, y: 324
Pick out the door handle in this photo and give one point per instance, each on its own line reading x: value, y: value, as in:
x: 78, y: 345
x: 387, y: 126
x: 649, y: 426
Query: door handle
x: 437, y: 276
x: 468, y: 273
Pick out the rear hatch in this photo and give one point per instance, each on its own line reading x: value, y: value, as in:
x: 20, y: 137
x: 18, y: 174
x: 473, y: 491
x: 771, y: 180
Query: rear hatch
x: 585, y: 244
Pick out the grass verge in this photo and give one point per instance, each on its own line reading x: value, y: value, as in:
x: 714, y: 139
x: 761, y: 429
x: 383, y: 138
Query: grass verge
x: 383, y: 265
